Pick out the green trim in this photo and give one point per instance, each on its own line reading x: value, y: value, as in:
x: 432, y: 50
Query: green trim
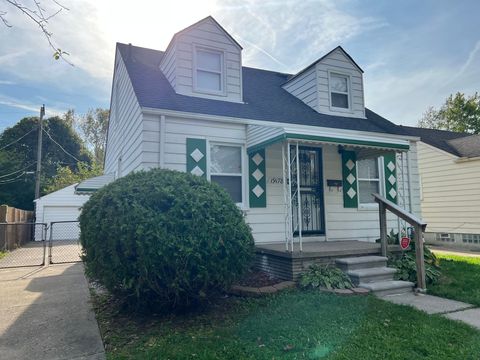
x: 201, y: 145
x: 86, y: 189
x: 387, y: 158
x: 326, y: 139
x: 257, y: 201
x: 348, y: 201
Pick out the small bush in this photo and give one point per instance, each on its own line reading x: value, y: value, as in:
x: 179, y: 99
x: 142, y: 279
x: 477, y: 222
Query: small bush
x: 328, y: 277
x: 407, y: 266
x: 164, y: 238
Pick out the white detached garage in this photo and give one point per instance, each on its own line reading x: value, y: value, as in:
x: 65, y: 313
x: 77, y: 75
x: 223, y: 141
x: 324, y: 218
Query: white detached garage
x: 61, y: 205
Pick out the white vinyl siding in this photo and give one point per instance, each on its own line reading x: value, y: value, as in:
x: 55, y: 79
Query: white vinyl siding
x: 334, y: 63
x: 304, y: 87
x: 125, y: 127
x: 451, y: 192
x: 205, y: 35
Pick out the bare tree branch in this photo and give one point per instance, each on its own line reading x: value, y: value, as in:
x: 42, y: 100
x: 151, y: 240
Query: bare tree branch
x: 38, y: 15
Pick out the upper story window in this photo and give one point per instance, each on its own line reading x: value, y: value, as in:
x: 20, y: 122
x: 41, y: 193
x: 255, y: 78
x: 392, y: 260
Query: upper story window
x: 226, y: 169
x: 209, y: 71
x: 339, y: 91
x: 368, y: 177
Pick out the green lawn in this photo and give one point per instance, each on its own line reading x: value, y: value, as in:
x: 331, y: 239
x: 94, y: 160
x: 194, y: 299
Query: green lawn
x: 3, y: 254
x: 460, y: 279
x: 291, y: 325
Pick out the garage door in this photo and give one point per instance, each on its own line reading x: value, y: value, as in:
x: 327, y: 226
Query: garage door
x: 62, y: 231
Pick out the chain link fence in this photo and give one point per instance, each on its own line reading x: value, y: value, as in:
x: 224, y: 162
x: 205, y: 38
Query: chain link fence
x: 22, y: 244
x: 64, y: 242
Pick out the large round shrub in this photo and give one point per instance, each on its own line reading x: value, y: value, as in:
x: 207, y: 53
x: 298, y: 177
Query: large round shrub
x: 163, y: 237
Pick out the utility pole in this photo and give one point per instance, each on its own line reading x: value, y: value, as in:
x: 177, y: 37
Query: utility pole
x: 39, y: 152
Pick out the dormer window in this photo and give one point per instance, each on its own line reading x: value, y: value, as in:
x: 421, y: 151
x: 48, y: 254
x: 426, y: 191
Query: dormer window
x: 209, y: 74
x: 339, y: 91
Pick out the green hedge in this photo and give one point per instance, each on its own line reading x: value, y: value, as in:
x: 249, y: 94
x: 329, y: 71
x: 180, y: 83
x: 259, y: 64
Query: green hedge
x: 163, y: 237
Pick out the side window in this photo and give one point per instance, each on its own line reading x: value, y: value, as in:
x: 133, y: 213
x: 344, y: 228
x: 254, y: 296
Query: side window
x: 226, y: 169
x: 368, y: 177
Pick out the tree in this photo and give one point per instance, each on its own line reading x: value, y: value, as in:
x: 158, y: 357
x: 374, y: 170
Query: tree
x: 37, y: 13
x: 61, y: 147
x: 66, y: 176
x: 93, y: 127
x: 458, y: 113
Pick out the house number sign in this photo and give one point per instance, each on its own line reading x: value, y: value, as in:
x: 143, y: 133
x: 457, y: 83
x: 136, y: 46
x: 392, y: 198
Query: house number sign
x: 276, y: 180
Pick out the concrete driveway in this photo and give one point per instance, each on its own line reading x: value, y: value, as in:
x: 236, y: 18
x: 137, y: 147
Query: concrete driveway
x: 45, y: 313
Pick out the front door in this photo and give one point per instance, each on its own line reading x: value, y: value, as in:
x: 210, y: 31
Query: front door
x: 311, y: 190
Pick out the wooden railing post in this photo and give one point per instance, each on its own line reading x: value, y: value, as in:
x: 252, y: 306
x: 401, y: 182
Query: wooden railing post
x: 383, y: 228
x: 421, y: 281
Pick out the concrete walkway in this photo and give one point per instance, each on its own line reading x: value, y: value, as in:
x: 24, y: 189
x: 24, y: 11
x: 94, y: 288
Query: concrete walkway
x: 451, y: 309
x: 45, y: 313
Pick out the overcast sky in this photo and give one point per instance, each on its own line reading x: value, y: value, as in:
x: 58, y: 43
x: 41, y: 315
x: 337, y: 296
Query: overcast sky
x: 414, y: 53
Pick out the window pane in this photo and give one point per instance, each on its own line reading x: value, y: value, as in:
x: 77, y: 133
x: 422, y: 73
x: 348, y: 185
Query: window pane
x: 233, y: 185
x: 209, y: 60
x: 208, y: 81
x: 340, y: 100
x: 368, y: 168
x: 338, y: 83
x: 366, y: 188
x: 225, y: 159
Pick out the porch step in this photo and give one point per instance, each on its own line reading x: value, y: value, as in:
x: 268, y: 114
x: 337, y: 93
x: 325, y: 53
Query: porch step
x: 389, y: 287
x: 371, y: 274
x: 361, y: 262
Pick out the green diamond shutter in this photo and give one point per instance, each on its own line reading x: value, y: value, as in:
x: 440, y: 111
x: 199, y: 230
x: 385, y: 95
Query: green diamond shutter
x: 390, y: 168
x: 257, y: 183
x: 197, y: 157
x: 349, y: 173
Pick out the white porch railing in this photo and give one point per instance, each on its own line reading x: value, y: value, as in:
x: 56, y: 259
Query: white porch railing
x: 291, y: 194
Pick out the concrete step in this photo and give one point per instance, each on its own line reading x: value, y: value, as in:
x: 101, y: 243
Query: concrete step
x: 361, y: 262
x: 371, y: 275
x: 388, y: 287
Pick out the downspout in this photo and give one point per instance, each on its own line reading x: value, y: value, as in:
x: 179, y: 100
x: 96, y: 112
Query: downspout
x: 161, y: 143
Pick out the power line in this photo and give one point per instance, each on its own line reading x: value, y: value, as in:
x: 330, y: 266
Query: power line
x: 12, y: 179
x: 65, y: 151
x: 14, y: 172
x: 20, y: 138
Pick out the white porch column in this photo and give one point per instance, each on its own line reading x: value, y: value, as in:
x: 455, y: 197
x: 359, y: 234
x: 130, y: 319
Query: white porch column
x: 299, y: 199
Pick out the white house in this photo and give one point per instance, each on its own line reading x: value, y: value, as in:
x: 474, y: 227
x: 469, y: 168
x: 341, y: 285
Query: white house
x: 449, y: 164
x: 268, y: 138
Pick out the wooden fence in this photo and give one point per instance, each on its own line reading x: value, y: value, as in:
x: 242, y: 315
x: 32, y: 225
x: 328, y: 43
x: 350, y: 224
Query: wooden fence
x: 12, y: 233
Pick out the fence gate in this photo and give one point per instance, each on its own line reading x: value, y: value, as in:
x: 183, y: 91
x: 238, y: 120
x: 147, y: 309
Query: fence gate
x: 64, y: 242
x: 22, y: 244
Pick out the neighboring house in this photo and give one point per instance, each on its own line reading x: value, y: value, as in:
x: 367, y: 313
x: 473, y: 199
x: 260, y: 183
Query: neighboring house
x: 259, y: 133
x: 449, y: 164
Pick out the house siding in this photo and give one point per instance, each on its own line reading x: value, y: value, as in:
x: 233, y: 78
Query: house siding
x: 451, y: 192
x: 208, y: 35
x: 125, y: 126
x: 304, y: 87
x: 338, y: 62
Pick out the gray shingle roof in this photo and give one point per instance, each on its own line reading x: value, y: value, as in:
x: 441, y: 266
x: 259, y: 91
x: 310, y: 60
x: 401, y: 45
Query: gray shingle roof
x: 263, y: 95
x: 468, y: 146
x: 441, y: 139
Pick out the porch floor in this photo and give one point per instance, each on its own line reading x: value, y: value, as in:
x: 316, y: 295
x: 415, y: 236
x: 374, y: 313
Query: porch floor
x: 321, y: 249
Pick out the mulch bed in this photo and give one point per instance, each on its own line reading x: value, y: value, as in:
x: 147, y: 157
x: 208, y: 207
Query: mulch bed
x: 258, y: 279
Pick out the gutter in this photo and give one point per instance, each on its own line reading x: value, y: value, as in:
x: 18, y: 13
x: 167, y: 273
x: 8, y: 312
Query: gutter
x: 244, y: 121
